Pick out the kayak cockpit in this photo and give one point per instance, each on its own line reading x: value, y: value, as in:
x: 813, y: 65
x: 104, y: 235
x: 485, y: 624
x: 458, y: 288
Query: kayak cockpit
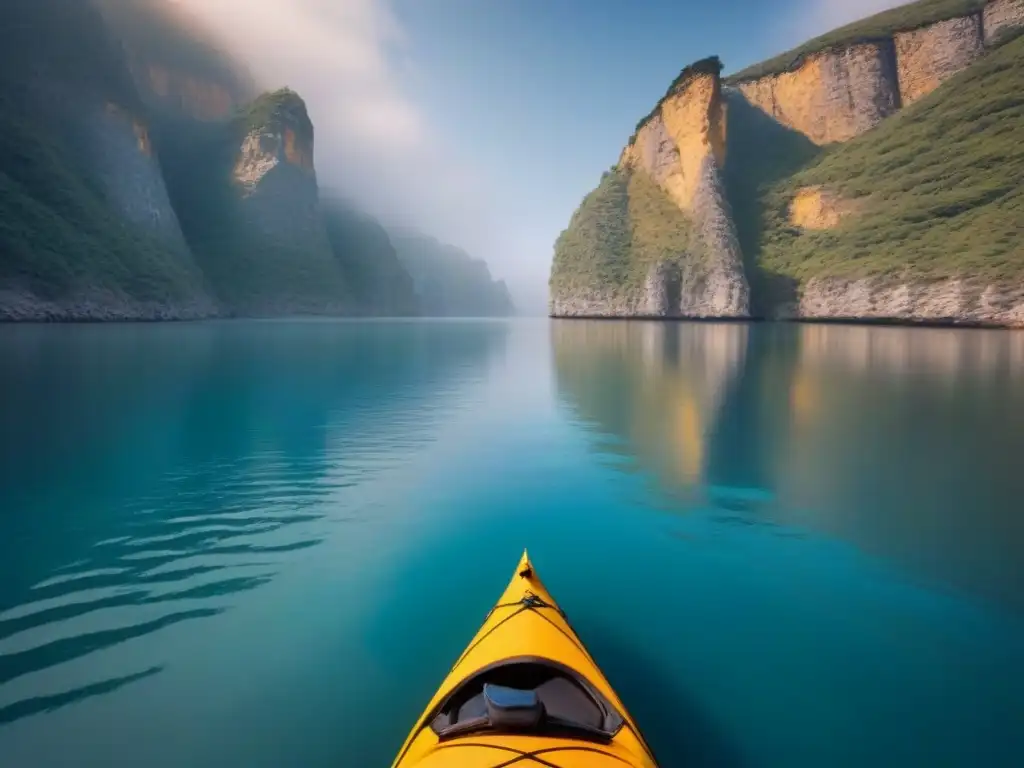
x: 526, y: 695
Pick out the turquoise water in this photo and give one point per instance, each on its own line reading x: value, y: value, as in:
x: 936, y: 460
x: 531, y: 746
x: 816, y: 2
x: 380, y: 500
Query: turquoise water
x: 263, y: 544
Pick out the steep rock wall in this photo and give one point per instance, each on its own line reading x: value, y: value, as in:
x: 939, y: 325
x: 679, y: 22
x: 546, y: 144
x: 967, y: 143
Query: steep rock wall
x: 274, y: 172
x: 837, y: 94
x: 279, y: 258
x: 927, y: 57
x: 121, y: 153
x: 834, y: 95
x: 653, y: 299
x: 945, y: 301
x: 681, y: 148
x: 1001, y: 16
x: 672, y: 146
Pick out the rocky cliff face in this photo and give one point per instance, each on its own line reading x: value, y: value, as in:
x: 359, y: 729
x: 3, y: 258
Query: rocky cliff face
x: 954, y: 301
x: 818, y: 208
x: 696, y: 271
x: 917, y: 222
x: 1001, y: 16
x: 92, y: 233
x: 135, y: 185
x: 273, y: 170
x: 256, y: 222
x: 833, y: 95
x: 928, y: 57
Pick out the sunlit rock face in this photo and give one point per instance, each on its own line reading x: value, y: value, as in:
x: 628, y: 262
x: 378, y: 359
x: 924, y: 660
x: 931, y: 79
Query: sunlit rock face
x: 782, y: 122
x: 832, y: 96
x: 819, y: 209
x: 682, y: 148
x: 836, y: 95
x: 676, y: 154
x: 279, y: 231
x: 928, y: 57
x: 273, y: 166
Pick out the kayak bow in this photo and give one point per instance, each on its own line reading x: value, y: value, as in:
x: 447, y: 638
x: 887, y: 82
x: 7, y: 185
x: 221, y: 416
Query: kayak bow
x: 525, y: 692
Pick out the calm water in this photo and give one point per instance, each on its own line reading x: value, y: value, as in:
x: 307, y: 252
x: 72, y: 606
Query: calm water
x: 263, y: 544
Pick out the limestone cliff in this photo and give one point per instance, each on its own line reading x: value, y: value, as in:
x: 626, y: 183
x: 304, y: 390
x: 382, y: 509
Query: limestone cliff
x: 873, y: 173
x: 843, y: 84
x: 90, y: 232
x: 952, y: 300
x: 929, y: 56
x: 833, y: 95
x: 1000, y: 17
x: 137, y: 181
x: 667, y: 247
x: 253, y: 213
x: 919, y: 220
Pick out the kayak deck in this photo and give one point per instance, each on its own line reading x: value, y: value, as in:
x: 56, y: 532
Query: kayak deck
x: 525, y: 691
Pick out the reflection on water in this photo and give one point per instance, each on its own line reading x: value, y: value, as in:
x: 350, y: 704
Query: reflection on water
x: 230, y: 540
x: 151, y: 475
x: 658, y: 386
x: 902, y: 441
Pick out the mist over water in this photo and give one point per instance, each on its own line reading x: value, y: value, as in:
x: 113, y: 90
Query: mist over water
x: 264, y: 543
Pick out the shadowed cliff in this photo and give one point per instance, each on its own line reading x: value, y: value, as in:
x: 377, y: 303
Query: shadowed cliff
x: 143, y: 176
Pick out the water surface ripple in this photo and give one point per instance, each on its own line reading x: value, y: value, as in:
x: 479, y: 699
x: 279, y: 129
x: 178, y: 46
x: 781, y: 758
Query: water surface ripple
x: 263, y: 543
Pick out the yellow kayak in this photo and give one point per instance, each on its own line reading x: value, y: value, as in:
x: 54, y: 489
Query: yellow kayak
x: 525, y: 692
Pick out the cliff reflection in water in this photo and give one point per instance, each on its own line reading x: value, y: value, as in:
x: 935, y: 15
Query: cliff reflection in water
x: 658, y: 386
x: 902, y: 441
x: 150, y: 474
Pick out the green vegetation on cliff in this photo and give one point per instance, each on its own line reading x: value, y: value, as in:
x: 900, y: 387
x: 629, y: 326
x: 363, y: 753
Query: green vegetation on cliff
x: 60, y: 237
x: 939, y: 184
x: 619, y: 232
x: 275, y: 107
x: 265, y: 249
x: 99, y: 113
x: 875, y: 28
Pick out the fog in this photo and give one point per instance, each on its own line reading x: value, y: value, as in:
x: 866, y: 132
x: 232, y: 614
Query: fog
x: 349, y: 60
x: 352, y: 62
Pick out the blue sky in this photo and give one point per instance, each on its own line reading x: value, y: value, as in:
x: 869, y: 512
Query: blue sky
x: 485, y: 122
